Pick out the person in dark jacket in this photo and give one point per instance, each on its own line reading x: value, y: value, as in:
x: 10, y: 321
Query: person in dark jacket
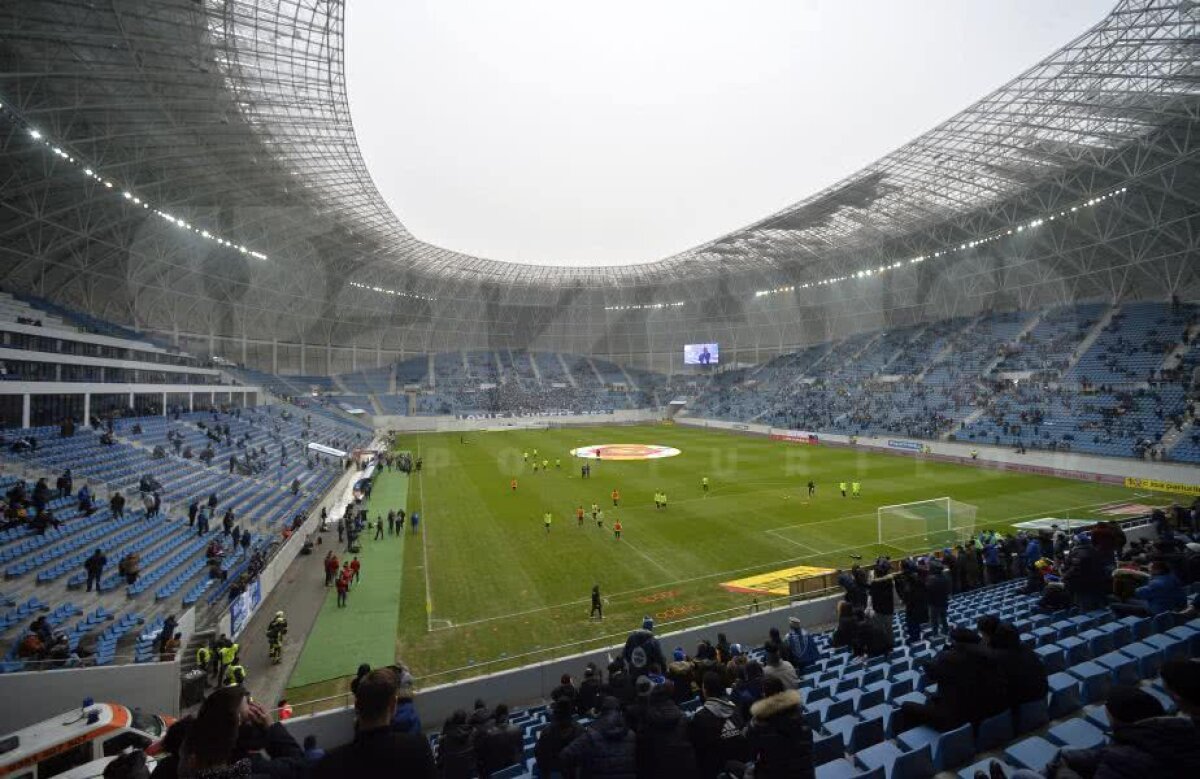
x: 456, y: 755
x: 231, y: 738
x: 1086, y: 577
x: 94, y: 566
x: 1163, y: 592
x: 562, y: 730
x: 1144, y: 742
x: 1024, y: 674
x: 800, y: 648
x: 717, y: 730
x: 591, y: 691
x: 778, y: 740
x: 969, y: 689
x: 377, y: 750
x: 749, y: 688
x: 663, y: 748
x: 883, y: 601
x: 916, y: 604
x: 607, y: 749
x: 500, y: 745
x: 937, y: 588
x: 847, y: 626
x: 642, y: 649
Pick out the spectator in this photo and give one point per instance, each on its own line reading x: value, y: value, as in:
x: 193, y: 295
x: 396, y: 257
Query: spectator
x: 456, y: 755
x: 406, y: 719
x: 1162, y: 593
x: 377, y: 750
x: 642, y: 650
x: 500, y: 744
x: 749, y: 688
x: 968, y: 689
x: 1023, y: 673
x: 716, y: 730
x: 916, y: 604
x: 802, y: 650
x: 312, y: 752
x: 607, y: 749
x: 1144, y: 742
x: 228, y: 736
x: 847, y: 626
x: 565, y: 690
x: 777, y: 738
x: 883, y: 601
x: 557, y: 735
x: 1085, y: 576
x: 1181, y: 678
x: 681, y: 672
x: 94, y: 566
x: 663, y: 748
x: 591, y: 690
x: 937, y: 587
x: 776, y: 667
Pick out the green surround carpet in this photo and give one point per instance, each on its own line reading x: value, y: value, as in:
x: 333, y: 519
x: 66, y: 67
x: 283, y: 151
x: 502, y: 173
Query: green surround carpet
x: 365, y: 630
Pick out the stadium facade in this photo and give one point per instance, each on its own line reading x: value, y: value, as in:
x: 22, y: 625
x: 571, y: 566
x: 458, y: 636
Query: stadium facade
x: 190, y: 169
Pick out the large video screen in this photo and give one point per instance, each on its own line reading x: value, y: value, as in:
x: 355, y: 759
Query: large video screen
x: 700, y: 354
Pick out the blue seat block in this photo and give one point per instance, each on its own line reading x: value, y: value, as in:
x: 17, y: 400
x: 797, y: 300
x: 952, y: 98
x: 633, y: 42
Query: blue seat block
x: 1148, y: 658
x: 844, y: 769
x: 1124, y: 668
x: 1076, y: 734
x: 917, y: 764
x: 1096, y: 679
x: 1034, y: 753
x: 1032, y: 715
x: 994, y: 731
x: 828, y: 748
x: 1053, y: 657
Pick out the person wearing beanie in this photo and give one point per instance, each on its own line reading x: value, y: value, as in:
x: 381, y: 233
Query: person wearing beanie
x: 663, y: 748
x: 500, y: 745
x: 557, y: 736
x: 642, y: 650
x: 800, y: 648
x: 682, y: 674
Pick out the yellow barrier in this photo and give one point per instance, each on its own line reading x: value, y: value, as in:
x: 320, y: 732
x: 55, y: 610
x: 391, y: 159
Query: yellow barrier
x: 1154, y: 485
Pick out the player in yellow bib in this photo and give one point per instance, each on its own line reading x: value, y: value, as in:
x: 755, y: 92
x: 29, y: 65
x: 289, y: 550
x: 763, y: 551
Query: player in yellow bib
x: 704, y: 485
x: 855, y: 489
x: 547, y: 518
x: 842, y: 487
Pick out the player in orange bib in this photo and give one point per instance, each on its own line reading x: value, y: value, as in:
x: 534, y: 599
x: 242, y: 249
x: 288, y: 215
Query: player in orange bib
x: 513, y: 484
x: 617, y: 530
x: 616, y: 497
x: 579, y: 515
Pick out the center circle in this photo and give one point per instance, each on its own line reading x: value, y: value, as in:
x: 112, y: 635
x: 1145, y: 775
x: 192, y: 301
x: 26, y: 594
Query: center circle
x: 624, y: 452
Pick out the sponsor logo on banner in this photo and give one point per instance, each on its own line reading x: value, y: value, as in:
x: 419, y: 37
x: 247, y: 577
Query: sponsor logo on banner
x: 914, y: 446
x: 1157, y: 485
x: 243, y: 606
x: 741, y: 427
x: 532, y: 414
x: 624, y: 452
x: 795, y: 437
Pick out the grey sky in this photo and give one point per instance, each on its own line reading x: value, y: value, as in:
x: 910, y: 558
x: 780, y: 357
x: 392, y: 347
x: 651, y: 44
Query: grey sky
x: 569, y: 133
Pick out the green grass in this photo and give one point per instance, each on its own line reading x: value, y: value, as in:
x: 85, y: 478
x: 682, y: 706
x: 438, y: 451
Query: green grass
x: 501, y: 592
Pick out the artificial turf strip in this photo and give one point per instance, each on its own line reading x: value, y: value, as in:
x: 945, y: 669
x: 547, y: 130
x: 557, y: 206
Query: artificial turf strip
x: 503, y: 593
x: 365, y: 630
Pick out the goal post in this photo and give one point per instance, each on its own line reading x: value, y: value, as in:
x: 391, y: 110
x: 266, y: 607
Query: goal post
x: 925, y: 523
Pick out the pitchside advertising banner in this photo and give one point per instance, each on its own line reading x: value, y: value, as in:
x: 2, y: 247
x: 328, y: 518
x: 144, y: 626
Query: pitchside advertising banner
x: 795, y: 437
x: 913, y: 446
x: 524, y: 414
x: 243, y: 606
x: 1156, y: 485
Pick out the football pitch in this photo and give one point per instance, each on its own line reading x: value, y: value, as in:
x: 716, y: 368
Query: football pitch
x: 484, y: 586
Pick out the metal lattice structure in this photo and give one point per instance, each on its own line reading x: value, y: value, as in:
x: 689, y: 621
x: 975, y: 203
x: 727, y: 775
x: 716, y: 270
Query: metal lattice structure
x: 232, y: 115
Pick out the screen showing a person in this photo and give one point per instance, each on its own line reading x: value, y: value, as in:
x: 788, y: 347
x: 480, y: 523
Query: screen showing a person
x: 700, y: 354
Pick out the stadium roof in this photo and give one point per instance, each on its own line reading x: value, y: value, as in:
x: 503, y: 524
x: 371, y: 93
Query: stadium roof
x: 222, y: 106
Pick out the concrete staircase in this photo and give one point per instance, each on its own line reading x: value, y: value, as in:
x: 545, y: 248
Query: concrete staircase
x: 1091, y: 337
x: 567, y: 371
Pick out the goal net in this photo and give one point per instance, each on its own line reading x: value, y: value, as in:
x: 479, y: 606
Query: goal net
x: 926, y: 524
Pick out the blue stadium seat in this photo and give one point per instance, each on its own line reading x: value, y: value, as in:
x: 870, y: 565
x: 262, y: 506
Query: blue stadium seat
x: 917, y: 764
x: 1032, y: 715
x: 1034, y: 753
x: 828, y: 748
x: 1076, y: 734
x: 994, y: 731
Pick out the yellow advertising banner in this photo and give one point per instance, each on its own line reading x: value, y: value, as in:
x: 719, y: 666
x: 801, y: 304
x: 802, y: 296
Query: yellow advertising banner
x: 1155, y: 485
x: 775, y: 582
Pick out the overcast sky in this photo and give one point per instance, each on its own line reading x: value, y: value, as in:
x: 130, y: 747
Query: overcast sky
x: 592, y: 133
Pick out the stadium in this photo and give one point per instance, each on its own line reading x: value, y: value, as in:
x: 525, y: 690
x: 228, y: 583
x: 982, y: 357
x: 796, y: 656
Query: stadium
x: 900, y: 480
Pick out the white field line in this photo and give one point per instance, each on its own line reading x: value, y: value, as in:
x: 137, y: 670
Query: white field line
x: 781, y: 537
x: 425, y: 546
x: 747, y: 569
